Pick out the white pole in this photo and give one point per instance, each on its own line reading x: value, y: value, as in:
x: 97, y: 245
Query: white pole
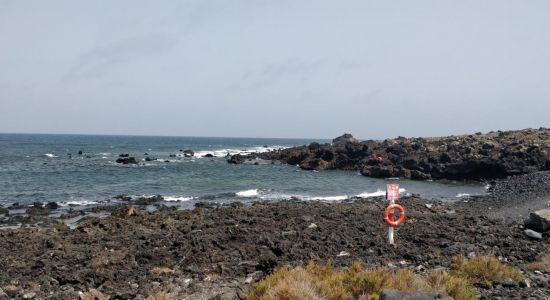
x: 390, y: 228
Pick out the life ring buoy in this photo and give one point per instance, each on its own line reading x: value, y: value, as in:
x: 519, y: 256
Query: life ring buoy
x: 387, y: 215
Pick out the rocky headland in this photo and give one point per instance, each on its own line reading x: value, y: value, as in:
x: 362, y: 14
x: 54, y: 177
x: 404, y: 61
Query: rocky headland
x: 475, y: 156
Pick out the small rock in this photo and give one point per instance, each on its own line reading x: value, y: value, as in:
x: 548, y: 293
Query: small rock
x: 471, y: 255
x: 92, y: 294
x: 30, y: 295
x: 134, y: 286
x: 533, y: 234
x: 312, y: 226
x: 429, y: 206
x: 509, y: 282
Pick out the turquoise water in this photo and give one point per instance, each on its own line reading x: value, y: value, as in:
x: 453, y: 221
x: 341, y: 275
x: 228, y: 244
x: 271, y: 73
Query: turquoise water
x: 48, y: 168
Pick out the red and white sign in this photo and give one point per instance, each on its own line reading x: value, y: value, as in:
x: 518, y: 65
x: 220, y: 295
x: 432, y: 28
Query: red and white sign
x: 392, y: 191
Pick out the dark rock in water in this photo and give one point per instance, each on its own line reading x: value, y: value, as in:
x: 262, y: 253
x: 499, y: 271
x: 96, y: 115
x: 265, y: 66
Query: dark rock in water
x: 124, y: 155
x: 188, y: 153
x: 148, y: 200
x: 236, y: 159
x: 4, y: 211
x: 172, y: 155
x: 127, y: 160
x: 265, y: 146
x: 37, y: 204
x: 150, y: 159
x: 52, y: 205
x: 539, y: 220
x: 388, y: 294
x: 533, y: 234
x: 145, y: 153
x: 80, y: 152
x: 208, y: 155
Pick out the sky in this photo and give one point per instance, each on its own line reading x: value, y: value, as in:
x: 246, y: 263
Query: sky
x: 274, y: 68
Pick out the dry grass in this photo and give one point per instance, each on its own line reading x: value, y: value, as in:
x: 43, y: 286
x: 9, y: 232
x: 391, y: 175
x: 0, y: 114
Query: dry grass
x: 325, y: 282
x: 161, y: 271
x: 484, y: 269
x: 542, y: 263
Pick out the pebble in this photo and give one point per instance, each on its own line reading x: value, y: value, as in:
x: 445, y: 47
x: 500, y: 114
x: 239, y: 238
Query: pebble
x: 312, y: 226
x: 343, y: 253
x: 30, y: 295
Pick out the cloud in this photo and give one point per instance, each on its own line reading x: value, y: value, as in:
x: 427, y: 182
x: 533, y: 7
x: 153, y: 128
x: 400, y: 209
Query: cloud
x: 295, y: 68
x: 100, y: 60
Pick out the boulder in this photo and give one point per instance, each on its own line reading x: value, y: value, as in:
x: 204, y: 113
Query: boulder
x: 126, y: 160
x: 539, y: 220
x: 188, y: 153
x: 124, y: 155
x: 208, y: 155
x: 388, y: 294
x: 52, y: 205
x: 344, y: 138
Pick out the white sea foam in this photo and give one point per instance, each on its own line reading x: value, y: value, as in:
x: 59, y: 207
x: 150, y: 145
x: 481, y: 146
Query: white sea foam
x: 226, y: 152
x: 378, y: 193
x: 50, y: 155
x: 177, y: 199
x: 461, y: 195
x: 248, y: 193
x: 78, y: 203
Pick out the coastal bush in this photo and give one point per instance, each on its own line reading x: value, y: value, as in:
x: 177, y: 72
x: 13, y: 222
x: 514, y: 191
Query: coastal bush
x: 484, y: 269
x: 325, y: 282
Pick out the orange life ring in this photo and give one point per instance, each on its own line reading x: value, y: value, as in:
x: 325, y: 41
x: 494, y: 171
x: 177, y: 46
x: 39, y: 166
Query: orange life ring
x: 401, y: 215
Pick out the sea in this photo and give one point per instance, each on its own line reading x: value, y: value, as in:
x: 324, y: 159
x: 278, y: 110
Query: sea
x: 48, y: 168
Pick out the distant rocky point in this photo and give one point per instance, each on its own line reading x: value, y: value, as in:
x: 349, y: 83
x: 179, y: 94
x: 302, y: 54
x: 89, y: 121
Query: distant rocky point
x: 475, y: 156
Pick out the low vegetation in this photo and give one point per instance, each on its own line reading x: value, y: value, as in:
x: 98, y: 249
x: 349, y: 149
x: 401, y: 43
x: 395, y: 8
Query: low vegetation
x: 485, y: 269
x: 161, y: 271
x: 325, y: 282
x: 542, y: 263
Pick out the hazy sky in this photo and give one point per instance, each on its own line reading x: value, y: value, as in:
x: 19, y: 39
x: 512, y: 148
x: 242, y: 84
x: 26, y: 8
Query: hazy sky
x: 274, y: 68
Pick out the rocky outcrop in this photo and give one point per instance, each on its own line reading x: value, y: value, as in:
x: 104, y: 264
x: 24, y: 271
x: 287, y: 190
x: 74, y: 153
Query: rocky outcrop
x: 127, y: 160
x: 476, y: 156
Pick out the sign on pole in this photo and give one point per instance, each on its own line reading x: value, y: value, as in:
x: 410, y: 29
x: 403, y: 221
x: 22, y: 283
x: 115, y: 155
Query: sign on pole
x: 392, y: 191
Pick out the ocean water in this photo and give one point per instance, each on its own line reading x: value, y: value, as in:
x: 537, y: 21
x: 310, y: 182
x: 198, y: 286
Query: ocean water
x: 47, y: 168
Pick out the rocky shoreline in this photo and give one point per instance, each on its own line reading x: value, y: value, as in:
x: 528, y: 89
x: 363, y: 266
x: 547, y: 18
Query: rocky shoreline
x: 470, y: 157
x: 216, y: 253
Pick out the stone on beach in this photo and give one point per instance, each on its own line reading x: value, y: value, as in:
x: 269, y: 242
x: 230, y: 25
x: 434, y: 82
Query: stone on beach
x: 539, y: 220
